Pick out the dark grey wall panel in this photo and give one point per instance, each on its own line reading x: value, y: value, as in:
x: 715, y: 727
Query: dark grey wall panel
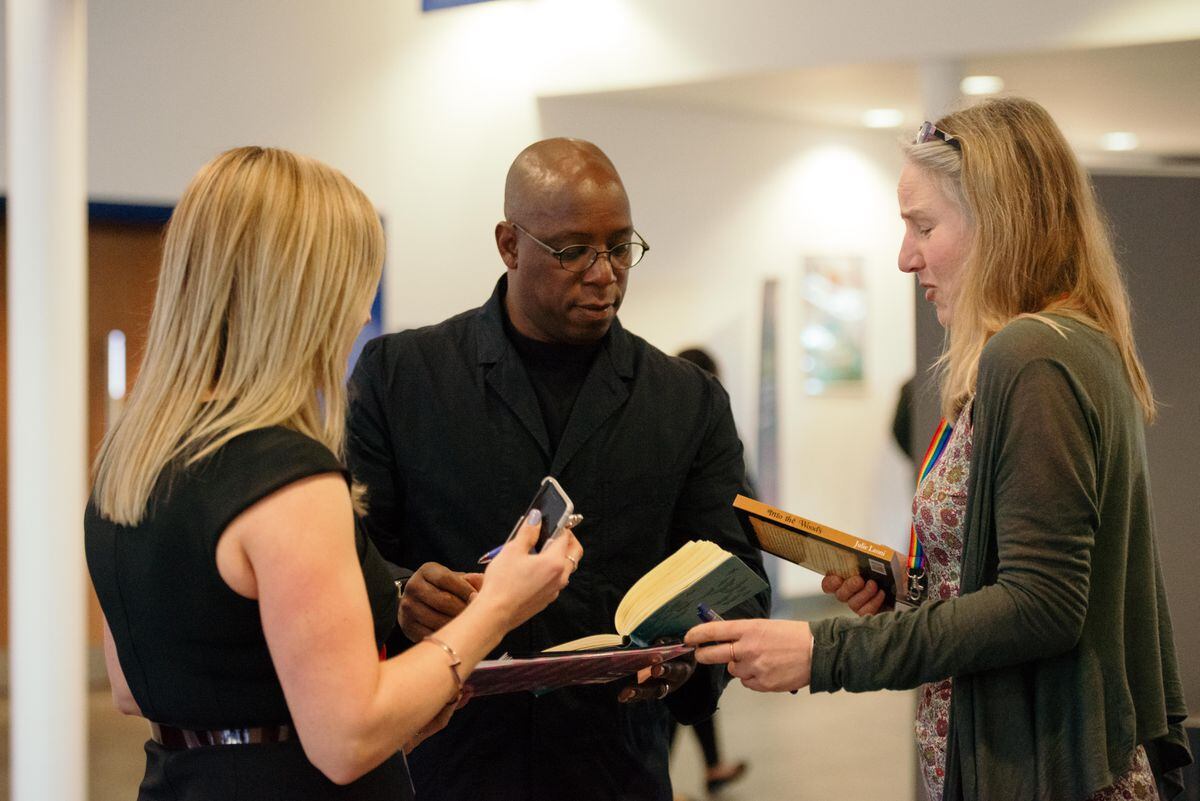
x: 1156, y: 225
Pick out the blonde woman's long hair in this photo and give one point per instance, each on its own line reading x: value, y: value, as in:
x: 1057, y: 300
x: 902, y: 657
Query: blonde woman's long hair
x: 269, y: 265
x: 1039, y: 243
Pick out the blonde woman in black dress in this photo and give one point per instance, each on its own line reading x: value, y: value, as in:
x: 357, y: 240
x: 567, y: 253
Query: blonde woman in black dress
x: 243, y: 613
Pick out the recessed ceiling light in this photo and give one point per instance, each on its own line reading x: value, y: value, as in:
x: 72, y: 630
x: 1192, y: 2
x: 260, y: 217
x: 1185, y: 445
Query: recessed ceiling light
x: 981, y: 85
x: 1119, y: 140
x: 882, y: 118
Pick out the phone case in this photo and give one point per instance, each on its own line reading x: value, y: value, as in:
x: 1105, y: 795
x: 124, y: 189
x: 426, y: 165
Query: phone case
x: 549, y: 482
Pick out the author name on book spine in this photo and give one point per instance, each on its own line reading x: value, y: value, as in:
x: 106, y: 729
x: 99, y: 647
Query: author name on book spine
x: 870, y: 548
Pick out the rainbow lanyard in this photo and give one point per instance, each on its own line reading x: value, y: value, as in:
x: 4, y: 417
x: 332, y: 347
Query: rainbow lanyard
x: 916, y: 554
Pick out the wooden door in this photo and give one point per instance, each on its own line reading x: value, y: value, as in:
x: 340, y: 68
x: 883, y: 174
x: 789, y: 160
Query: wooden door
x: 123, y: 260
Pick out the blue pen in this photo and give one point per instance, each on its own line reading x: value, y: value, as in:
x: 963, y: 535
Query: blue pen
x: 492, y: 554
x: 707, y: 615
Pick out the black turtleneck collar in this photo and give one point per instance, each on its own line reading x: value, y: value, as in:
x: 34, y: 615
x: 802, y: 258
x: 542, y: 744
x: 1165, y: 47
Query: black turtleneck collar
x: 556, y: 371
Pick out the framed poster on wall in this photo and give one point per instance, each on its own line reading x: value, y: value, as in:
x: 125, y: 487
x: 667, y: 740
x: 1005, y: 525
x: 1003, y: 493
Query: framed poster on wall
x: 833, y: 316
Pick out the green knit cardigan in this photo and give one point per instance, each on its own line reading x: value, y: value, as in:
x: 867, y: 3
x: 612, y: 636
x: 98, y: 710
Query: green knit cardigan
x: 1060, y: 643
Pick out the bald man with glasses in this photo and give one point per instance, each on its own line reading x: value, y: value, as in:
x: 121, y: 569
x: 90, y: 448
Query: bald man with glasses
x: 453, y: 426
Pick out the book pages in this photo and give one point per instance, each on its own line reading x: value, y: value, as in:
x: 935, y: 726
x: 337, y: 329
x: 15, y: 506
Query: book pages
x: 811, y: 553
x: 670, y: 577
x: 588, y: 643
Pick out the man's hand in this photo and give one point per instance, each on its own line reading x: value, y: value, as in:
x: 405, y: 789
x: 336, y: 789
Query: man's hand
x: 658, y: 681
x: 433, y: 597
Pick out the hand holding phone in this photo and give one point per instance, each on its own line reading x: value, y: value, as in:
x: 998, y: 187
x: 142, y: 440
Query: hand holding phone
x: 557, y: 514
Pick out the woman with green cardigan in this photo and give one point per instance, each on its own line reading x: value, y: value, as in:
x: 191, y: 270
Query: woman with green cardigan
x: 1043, y: 644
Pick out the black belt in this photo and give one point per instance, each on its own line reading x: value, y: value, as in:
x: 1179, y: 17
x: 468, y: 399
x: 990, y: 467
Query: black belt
x: 174, y: 738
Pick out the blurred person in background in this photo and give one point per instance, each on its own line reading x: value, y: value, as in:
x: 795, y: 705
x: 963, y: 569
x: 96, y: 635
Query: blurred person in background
x: 717, y: 773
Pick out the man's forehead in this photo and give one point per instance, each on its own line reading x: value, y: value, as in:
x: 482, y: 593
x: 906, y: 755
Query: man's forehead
x: 580, y: 205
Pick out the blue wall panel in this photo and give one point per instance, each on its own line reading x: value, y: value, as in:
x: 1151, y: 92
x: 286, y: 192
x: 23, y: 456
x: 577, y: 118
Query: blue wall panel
x: 433, y: 5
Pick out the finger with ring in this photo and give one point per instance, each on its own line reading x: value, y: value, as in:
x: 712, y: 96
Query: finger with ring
x: 732, y: 654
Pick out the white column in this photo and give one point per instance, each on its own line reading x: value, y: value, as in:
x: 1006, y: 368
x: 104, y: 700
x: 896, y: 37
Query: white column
x: 47, y: 404
x: 940, y: 87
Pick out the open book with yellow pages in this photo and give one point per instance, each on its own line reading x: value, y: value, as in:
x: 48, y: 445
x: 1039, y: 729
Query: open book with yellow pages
x: 662, y: 603
x: 660, y: 606
x: 821, y: 548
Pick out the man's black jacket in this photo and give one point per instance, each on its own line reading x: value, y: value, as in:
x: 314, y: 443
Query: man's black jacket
x: 446, y: 432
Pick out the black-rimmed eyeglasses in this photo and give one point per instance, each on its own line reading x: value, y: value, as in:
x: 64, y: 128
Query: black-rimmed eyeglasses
x: 580, y: 258
x: 929, y: 132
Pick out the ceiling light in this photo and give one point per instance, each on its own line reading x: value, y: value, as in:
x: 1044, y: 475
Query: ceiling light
x: 1119, y: 140
x: 981, y: 85
x: 883, y: 118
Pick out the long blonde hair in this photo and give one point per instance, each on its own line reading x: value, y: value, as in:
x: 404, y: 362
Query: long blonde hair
x: 269, y: 263
x: 1038, y: 241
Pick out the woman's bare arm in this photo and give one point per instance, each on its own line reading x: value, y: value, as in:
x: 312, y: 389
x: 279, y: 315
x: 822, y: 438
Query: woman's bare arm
x: 122, y: 697
x: 351, y: 710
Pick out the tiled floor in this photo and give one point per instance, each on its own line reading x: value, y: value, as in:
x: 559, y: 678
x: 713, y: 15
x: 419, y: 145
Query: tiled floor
x: 800, y: 748
x: 115, y: 757
x: 809, y: 747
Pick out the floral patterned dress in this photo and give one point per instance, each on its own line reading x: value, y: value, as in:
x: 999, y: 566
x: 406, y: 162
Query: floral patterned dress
x: 939, y: 512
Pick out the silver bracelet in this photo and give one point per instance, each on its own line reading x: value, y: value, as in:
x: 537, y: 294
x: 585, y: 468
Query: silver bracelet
x: 455, y: 661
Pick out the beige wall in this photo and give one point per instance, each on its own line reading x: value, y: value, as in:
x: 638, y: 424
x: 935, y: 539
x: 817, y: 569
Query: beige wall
x: 426, y: 110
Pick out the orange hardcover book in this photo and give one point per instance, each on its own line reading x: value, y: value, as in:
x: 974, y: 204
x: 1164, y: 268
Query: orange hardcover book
x: 821, y: 548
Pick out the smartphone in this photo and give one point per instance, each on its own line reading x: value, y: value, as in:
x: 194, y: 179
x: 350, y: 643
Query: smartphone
x: 556, y: 510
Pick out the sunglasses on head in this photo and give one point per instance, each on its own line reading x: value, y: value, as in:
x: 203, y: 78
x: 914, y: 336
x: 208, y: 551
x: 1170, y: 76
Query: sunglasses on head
x: 929, y: 132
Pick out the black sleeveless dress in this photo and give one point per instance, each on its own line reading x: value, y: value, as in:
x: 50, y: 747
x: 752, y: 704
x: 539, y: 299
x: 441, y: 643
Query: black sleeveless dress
x: 193, y: 650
